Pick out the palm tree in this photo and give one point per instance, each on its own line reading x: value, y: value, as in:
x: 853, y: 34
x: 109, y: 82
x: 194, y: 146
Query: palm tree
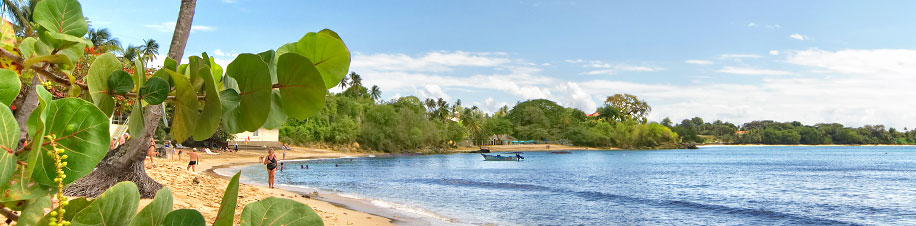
x: 344, y: 82
x: 149, y: 50
x: 103, y: 41
x: 356, y: 80
x: 20, y: 14
x: 375, y: 93
x: 131, y: 53
x: 430, y: 105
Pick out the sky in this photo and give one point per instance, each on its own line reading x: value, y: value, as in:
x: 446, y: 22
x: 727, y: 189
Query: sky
x: 809, y: 61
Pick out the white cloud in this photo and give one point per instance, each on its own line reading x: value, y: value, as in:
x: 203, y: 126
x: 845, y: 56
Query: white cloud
x: 698, y: 62
x: 170, y: 27
x: 218, y: 52
x: 752, y: 71
x: 872, y: 62
x: 799, y: 36
x: 751, y: 24
x: 228, y: 1
x: 433, y: 91
x: 774, y: 52
x: 576, y: 61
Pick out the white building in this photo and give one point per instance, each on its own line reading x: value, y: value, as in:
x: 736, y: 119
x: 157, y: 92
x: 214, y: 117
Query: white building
x: 262, y: 136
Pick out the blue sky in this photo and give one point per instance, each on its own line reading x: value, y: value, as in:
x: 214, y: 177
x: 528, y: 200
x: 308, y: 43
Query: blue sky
x: 810, y: 61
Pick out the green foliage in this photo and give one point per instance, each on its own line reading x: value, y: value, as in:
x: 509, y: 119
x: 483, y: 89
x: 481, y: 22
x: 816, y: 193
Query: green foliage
x: 34, y: 210
x: 253, y: 78
x: 117, y: 206
x: 9, y: 139
x: 186, y: 107
x: 154, y: 213
x: 209, y: 117
x: 328, y: 53
x: 81, y: 130
x: 184, y: 217
x: 120, y: 82
x: 61, y: 16
x: 278, y: 211
x: 155, y: 90
x: 301, y: 83
x: 97, y: 80
x: 226, y: 211
x: 70, y: 211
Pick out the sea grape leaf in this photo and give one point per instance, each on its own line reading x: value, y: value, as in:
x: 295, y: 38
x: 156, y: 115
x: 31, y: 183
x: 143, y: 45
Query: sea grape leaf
x: 253, y: 78
x: 194, y: 66
x: 279, y: 211
x: 120, y: 82
x: 61, y: 16
x: 170, y: 64
x: 117, y: 206
x: 230, y: 99
x: 209, y: 118
x: 155, y: 90
x: 184, y: 217
x: 9, y: 86
x: 154, y: 213
x: 139, y: 74
x: 21, y: 187
x: 9, y: 139
x: 74, y: 52
x: 277, y: 117
x: 301, y: 86
x: 66, y: 40
x: 287, y: 48
x: 75, y: 206
x: 82, y: 131
x: 217, y: 72
x: 34, y: 210
x: 30, y: 47
x: 328, y: 53
x: 135, y: 120
x: 59, y: 59
x: 270, y: 58
x: 226, y: 212
x: 36, y: 127
x: 186, y: 108
x: 97, y: 80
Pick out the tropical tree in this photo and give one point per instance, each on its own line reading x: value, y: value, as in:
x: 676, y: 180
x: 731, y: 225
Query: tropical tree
x: 103, y: 40
x: 356, y: 80
x: 344, y: 82
x: 131, y: 53
x: 628, y: 107
x: 19, y: 12
x: 149, y: 50
x: 375, y: 93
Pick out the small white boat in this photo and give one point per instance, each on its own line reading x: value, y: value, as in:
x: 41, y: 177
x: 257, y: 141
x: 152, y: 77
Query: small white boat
x: 499, y: 157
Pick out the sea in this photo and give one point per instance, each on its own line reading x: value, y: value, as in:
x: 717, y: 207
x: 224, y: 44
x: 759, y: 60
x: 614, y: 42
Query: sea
x: 713, y: 185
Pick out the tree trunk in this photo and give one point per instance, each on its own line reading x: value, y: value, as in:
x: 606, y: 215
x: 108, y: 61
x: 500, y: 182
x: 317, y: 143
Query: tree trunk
x: 126, y: 162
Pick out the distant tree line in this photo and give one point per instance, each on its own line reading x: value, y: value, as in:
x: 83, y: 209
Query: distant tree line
x: 695, y: 130
x: 357, y: 115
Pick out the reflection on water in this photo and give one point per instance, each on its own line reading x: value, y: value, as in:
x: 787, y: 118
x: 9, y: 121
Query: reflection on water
x: 745, y: 185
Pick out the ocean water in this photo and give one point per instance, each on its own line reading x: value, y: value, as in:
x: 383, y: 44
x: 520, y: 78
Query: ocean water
x: 747, y: 185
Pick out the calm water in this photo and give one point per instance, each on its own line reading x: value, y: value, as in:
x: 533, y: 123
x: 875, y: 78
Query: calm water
x: 710, y: 186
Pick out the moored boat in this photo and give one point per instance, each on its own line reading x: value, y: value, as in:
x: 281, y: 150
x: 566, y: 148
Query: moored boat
x: 499, y: 157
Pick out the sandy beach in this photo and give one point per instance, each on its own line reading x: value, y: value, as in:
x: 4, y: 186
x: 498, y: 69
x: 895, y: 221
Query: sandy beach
x: 203, y: 189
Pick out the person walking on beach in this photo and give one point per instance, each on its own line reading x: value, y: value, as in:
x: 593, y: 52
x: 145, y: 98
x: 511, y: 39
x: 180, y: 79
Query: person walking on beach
x: 284, y: 155
x: 151, y: 151
x: 192, y: 156
x: 271, y: 162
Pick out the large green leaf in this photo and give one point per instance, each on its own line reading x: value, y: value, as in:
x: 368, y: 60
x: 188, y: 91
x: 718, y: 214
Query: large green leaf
x: 74, y: 52
x: 270, y: 58
x: 253, y: 78
x: 61, y: 16
x: 36, y: 127
x: 117, y: 206
x: 186, y: 108
x: 209, y: 118
x: 82, y: 131
x: 329, y: 54
x: 9, y: 139
x: 135, y: 120
x: 155, y: 90
x: 230, y: 99
x: 287, y: 48
x: 301, y: 86
x: 184, y: 217
x: 277, y: 211
x: 120, y: 82
x: 277, y: 117
x: 64, y: 40
x: 34, y: 210
x: 194, y: 66
x: 9, y: 86
x: 75, y: 206
x: 30, y: 47
x: 21, y: 187
x: 59, y: 59
x: 227, y: 206
x: 139, y: 74
x: 97, y: 80
x: 154, y: 213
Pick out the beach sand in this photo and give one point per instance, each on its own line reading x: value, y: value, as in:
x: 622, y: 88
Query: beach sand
x: 203, y: 190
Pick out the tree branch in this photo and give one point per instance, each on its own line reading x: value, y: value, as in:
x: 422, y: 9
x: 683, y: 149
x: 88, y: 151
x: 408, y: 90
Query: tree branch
x: 44, y: 70
x: 8, y: 213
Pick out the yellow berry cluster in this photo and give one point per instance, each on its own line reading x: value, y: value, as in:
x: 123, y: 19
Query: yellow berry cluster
x: 59, y: 157
x: 47, y: 84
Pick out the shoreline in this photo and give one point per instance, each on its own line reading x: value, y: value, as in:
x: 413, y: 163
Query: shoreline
x: 807, y: 145
x: 203, y: 189
x: 397, y: 213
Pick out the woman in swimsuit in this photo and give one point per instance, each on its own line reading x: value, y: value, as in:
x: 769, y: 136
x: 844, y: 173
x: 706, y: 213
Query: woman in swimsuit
x: 271, y: 162
x: 151, y: 151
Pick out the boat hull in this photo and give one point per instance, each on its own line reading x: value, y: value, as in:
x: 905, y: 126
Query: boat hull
x: 499, y: 158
